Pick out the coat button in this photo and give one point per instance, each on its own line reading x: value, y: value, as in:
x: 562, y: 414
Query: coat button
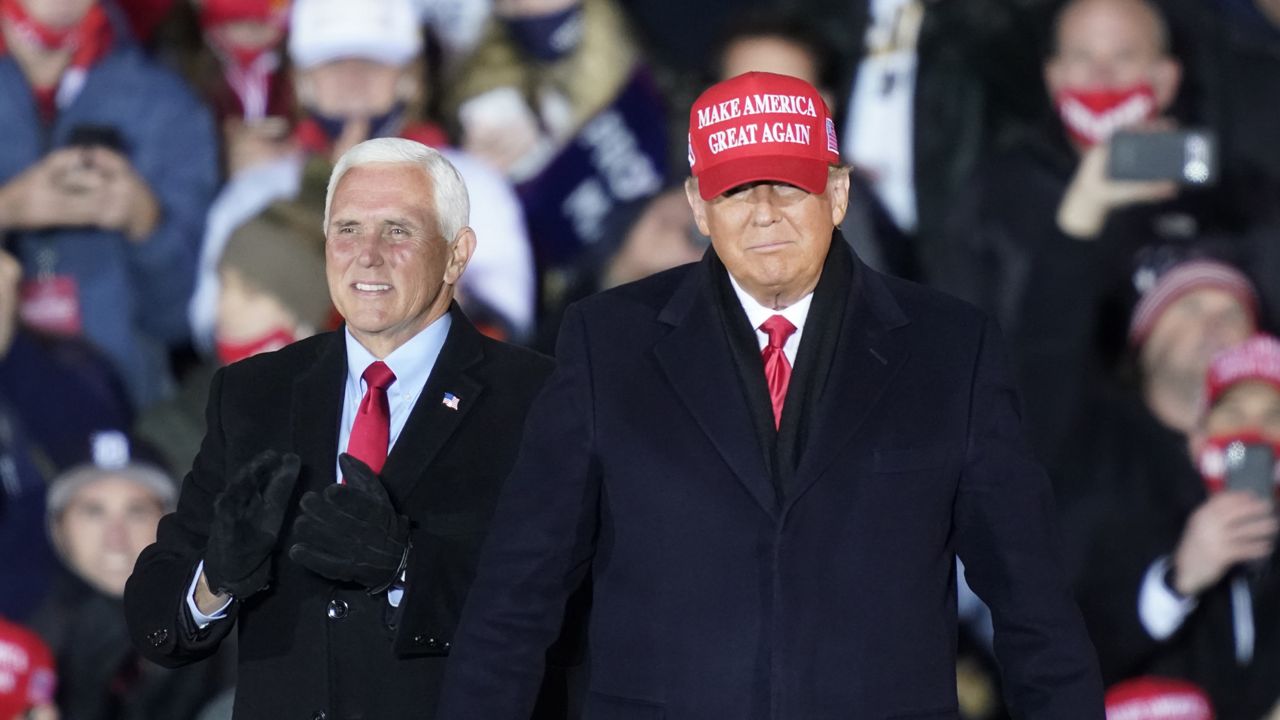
x: 337, y: 609
x: 158, y: 637
x: 319, y: 715
x: 419, y: 639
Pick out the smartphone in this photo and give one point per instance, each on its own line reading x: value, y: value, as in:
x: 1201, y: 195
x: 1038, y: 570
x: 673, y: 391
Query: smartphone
x: 105, y: 136
x: 1186, y: 156
x: 1251, y: 467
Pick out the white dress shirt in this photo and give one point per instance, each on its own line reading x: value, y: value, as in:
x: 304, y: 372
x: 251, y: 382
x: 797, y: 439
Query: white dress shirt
x: 879, y: 132
x: 411, y: 363
x: 797, y: 313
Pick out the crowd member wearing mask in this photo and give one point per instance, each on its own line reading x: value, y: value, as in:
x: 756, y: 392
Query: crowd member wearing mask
x: 1183, y: 579
x: 1045, y: 241
x: 358, y: 71
x: 558, y: 96
x: 239, y: 69
x: 272, y: 293
x: 101, y: 514
x: 105, y: 203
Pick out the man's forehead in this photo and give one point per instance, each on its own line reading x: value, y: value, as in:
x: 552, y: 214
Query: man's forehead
x: 1079, y: 22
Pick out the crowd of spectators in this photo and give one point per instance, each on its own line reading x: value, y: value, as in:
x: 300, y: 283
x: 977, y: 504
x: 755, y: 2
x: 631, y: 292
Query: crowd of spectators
x: 162, y: 180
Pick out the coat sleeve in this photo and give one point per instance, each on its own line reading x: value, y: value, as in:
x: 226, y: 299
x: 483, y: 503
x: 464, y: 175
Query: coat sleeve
x: 1006, y: 536
x: 539, y: 548
x: 155, y: 595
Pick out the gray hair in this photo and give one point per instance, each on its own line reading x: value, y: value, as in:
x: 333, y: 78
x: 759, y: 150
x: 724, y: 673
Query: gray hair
x: 452, y: 205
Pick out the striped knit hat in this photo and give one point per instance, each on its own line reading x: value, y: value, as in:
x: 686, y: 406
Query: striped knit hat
x: 1188, y: 277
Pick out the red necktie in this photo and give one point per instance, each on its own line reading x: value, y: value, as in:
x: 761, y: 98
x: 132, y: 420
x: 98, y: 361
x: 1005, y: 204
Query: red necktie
x: 777, y: 369
x: 371, y: 432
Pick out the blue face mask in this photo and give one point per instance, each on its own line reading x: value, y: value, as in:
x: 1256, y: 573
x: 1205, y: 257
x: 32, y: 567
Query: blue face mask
x: 548, y: 37
x: 384, y: 125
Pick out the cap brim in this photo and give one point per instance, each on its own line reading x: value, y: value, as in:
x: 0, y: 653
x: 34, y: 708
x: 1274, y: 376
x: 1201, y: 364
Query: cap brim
x: 808, y: 174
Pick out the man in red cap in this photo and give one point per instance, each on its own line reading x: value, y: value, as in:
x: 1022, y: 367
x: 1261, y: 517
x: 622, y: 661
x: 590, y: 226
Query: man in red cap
x: 766, y: 464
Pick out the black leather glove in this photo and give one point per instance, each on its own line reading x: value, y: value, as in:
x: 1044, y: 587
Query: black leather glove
x: 247, y: 518
x: 352, y: 532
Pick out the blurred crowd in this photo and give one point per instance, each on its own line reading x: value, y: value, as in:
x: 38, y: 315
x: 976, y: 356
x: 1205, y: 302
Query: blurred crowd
x: 1101, y: 176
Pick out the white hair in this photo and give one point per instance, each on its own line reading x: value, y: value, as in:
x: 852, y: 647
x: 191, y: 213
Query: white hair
x: 452, y: 206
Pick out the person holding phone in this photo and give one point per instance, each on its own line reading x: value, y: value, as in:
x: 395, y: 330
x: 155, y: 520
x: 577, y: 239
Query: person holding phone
x: 1183, y: 577
x: 108, y: 166
x: 1046, y: 241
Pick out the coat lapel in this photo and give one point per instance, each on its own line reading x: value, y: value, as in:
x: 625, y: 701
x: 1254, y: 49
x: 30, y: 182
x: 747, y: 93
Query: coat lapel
x: 867, y: 357
x: 432, y: 422
x: 696, y: 359
x: 317, y: 411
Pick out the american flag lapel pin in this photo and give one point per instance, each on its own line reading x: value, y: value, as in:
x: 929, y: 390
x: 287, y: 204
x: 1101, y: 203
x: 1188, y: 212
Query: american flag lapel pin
x: 450, y: 401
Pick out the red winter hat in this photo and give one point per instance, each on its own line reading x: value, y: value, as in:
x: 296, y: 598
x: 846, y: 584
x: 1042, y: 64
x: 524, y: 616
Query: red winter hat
x: 27, y: 677
x: 761, y: 126
x: 1183, y: 278
x: 1153, y: 698
x: 1257, y: 358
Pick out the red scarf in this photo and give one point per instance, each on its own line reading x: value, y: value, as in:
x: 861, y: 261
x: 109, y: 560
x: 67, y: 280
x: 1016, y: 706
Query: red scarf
x: 89, y: 40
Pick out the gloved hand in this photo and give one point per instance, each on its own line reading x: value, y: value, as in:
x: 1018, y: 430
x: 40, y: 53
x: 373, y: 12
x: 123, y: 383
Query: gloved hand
x: 352, y: 532
x: 247, y: 518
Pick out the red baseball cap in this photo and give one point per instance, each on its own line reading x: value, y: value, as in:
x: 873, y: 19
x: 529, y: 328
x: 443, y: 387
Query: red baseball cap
x: 1257, y: 358
x: 1154, y: 698
x: 27, y: 676
x: 761, y: 126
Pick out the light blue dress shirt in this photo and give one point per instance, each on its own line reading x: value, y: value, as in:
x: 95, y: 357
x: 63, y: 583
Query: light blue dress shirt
x: 412, y: 364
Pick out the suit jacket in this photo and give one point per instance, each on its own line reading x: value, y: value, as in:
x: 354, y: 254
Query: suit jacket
x: 712, y: 597
x: 310, y: 647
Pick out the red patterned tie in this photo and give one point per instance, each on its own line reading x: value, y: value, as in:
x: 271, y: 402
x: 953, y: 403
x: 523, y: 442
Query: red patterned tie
x: 777, y: 369
x: 371, y: 432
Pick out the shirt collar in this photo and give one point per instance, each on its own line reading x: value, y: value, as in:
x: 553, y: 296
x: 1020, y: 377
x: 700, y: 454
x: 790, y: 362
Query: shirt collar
x: 411, y: 362
x: 757, y: 313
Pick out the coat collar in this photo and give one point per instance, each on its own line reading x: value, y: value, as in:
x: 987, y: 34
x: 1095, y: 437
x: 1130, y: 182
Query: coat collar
x: 695, y: 356
x: 317, y: 408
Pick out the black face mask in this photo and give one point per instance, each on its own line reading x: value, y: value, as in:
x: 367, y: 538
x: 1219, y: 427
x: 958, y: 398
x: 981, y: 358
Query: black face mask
x: 548, y: 37
x: 384, y: 125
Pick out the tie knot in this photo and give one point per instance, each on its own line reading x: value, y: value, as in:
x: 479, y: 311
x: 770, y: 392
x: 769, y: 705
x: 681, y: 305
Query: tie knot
x: 378, y: 375
x: 778, y: 329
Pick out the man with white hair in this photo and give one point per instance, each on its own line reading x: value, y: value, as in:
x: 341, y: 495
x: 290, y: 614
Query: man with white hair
x: 345, y: 483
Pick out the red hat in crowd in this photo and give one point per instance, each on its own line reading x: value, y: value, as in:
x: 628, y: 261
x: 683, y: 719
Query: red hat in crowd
x: 1184, y: 278
x: 1152, y: 698
x: 217, y: 12
x: 1257, y: 358
x: 761, y: 126
x: 27, y: 676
